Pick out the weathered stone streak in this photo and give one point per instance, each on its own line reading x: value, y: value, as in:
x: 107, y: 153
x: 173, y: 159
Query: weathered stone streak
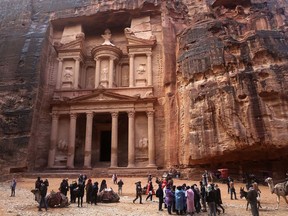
x: 235, y: 59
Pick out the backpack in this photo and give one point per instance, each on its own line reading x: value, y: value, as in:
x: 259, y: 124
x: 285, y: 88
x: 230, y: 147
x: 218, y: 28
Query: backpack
x: 158, y: 192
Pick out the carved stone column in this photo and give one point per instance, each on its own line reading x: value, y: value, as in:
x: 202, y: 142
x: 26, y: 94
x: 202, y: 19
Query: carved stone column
x: 88, y: 140
x: 59, y: 73
x: 151, y: 145
x: 114, y: 140
x: 111, y: 70
x: 77, y: 71
x: 149, y: 69
x: 131, y: 70
x: 131, y: 139
x: 71, y: 145
x: 53, y: 139
x: 97, y: 72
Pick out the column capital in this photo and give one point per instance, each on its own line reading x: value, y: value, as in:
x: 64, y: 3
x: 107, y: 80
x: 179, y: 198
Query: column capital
x: 73, y: 115
x: 131, y: 114
x: 89, y: 114
x: 131, y: 55
x: 113, y: 58
x: 77, y: 59
x: 149, y: 54
x: 96, y: 58
x: 150, y: 113
x: 114, y: 114
x: 55, y: 115
x: 60, y: 59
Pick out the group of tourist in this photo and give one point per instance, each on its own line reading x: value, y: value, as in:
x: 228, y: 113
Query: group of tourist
x: 181, y: 199
x: 78, y: 188
x: 185, y: 199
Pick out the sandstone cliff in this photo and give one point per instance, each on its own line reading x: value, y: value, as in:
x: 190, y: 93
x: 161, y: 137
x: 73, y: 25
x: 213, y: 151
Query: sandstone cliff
x: 233, y: 69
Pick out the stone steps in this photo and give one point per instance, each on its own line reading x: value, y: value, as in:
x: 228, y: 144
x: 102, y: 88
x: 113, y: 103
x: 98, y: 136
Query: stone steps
x: 104, y: 172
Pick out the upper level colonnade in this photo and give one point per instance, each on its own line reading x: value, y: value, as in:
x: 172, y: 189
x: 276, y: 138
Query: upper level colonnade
x: 107, y: 66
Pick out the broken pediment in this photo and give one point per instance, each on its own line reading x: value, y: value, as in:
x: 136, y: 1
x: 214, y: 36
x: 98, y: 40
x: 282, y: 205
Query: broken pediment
x: 132, y: 39
x: 77, y: 44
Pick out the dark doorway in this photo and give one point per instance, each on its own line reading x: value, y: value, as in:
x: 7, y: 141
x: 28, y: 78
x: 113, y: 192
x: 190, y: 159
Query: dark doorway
x: 105, y: 146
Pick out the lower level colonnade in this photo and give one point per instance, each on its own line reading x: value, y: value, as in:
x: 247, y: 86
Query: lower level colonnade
x: 88, y: 139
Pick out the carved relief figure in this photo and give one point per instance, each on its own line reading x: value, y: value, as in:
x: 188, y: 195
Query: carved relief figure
x: 128, y: 31
x: 68, y: 74
x: 143, y: 143
x: 104, y: 73
x: 62, y: 145
x: 141, y: 69
x: 107, y: 36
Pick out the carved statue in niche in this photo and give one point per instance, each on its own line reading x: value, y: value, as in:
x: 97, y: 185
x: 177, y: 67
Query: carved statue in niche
x: 107, y: 36
x: 62, y: 145
x: 143, y: 143
x: 68, y: 74
x: 128, y: 31
x: 104, y: 73
x: 141, y: 69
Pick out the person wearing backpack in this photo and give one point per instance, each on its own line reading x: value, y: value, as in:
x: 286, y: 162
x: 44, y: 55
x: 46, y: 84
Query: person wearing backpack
x: 160, y: 195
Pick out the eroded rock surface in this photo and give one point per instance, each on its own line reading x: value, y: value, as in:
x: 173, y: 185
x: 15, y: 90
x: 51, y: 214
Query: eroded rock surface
x: 233, y: 68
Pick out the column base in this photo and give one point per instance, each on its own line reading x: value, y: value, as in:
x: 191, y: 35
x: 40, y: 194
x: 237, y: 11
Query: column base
x: 151, y: 166
x: 87, y: 167
x: 51, y: 158
x: 131, y: 166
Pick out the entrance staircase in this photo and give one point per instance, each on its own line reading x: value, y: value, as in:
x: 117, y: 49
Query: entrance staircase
x: 100, y: 172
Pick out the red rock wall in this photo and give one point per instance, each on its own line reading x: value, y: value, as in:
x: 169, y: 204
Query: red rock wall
x: 232, y: 83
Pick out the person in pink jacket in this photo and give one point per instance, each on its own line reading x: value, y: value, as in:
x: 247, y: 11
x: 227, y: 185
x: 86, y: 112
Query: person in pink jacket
x: 190, y: 200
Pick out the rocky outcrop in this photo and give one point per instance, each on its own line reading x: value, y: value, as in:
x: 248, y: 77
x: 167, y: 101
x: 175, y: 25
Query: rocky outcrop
x: 233, y: 68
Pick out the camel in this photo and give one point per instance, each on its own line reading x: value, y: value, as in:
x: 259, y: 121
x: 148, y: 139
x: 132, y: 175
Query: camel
x: 54, y: 199
x: 108, y: 196
x: 280, y: 189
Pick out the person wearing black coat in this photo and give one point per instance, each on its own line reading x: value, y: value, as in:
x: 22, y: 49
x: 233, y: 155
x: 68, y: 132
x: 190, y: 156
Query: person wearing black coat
x: 218, y: 200
x: 64, y: 187
x: 95, y: 190
x: 211, y: 200
x: 252, y: 199
x: 43, y: 193
x: 197, y: 198
x: 73, y: 191
x: 160, y: 195
x: 138, y: 192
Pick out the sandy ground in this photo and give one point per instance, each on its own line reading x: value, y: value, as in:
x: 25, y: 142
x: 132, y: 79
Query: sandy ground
x: 23, y: 203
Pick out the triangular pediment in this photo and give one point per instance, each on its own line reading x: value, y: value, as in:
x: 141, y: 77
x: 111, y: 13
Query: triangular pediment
x: 102, y: 96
